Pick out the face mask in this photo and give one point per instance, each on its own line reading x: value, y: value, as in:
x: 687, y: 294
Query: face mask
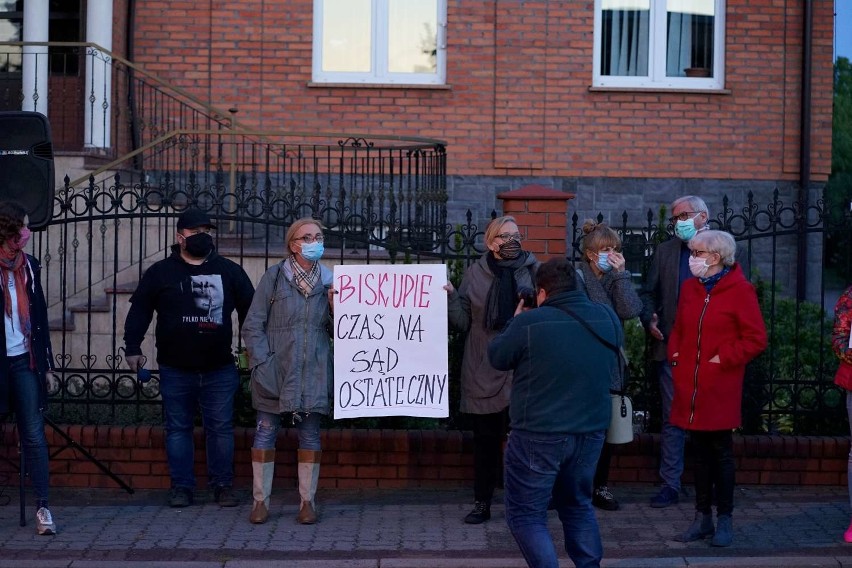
x: 23, y: 238
x: 602, y: 262
x: 312, y: 252
x: 698, y: 266
x: 509, y: 250
x: 685, y: 230
x: 199, y: 245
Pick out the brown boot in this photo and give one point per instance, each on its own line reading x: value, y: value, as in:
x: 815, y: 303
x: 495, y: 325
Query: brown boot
x: 309, y: 464
x: 263, y: 470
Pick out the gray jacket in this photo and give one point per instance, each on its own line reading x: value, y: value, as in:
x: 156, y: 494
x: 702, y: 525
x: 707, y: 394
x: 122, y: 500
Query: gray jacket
x: 614, y: 289
x: 288, y: 344
x: 484, y: 389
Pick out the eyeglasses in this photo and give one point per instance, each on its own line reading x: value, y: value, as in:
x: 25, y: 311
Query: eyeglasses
x: 510, y: 237
x: 683, y: 216
x: 308, y: 239
x: 697, y: 253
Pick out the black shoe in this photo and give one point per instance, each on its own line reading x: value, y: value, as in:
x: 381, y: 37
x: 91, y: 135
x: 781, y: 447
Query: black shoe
x: 481, y: 513
x: 603, y: 499
x: 180, y: 497
x: 225, y: 497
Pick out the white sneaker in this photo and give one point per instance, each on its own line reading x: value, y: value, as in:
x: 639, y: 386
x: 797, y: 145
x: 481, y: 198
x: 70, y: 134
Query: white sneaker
x: 44, y: 522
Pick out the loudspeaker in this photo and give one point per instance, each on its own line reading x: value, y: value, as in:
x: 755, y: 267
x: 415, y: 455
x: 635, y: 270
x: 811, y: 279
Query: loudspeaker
x: 26, y: 164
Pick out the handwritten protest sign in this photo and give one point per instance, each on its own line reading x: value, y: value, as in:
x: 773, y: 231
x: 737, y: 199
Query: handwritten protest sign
x: 390, y: 341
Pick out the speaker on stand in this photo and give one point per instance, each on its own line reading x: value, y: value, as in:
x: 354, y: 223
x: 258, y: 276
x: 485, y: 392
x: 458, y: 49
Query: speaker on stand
x: 26, y: 164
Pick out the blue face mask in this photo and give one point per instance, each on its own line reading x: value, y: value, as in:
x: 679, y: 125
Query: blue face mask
x: 312, y: 252
x: 602, y: 262
x: 685, y: 230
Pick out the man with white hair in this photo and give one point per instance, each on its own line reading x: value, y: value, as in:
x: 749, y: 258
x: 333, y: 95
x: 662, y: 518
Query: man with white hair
x: 669, y: 270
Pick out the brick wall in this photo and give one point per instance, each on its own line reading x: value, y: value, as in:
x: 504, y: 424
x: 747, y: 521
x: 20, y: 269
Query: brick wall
x: 518, y: 100
x: 400, y: 458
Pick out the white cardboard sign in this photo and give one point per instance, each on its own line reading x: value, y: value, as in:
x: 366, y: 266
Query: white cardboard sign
x: 390, y: 341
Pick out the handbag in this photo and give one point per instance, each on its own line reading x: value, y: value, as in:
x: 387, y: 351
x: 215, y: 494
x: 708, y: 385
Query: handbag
x: 620, y: 430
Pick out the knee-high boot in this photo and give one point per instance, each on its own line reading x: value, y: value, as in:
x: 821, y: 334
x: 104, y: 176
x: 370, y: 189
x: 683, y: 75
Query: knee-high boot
x: 309, y: 466
x: 263, y: 470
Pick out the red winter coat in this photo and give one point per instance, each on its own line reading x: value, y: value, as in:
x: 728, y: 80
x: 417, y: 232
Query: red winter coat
x: 726, y: 323
x: 840, y: 339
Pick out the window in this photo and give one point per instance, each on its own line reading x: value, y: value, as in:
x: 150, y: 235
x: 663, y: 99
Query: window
x: 380, y: 41
x: 11, y: 26
x: 671, y: 44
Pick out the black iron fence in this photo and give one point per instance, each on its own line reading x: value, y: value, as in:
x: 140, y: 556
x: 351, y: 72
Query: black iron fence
x: 104, y: 235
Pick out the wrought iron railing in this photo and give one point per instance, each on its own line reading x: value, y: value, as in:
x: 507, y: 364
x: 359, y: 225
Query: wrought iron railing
x: 98, y: 101
x: 789, y: 388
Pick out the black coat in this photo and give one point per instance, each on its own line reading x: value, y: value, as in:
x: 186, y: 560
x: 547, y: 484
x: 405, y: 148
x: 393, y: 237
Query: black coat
x: 40, y: 340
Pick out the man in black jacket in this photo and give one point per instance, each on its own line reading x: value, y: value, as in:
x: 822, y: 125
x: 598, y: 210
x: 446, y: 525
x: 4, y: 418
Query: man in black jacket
x: 194, y: 292
x: 669, y: 270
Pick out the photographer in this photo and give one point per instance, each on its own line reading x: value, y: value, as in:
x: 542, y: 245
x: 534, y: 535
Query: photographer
x: 559, y: 411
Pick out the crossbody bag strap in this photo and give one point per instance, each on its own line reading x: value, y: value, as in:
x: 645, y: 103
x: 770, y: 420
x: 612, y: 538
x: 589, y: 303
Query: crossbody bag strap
x: 272, y: 297
x: 622, y: 359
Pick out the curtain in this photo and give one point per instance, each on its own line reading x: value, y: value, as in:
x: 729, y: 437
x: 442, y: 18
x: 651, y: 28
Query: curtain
x: 625, y: 42
x: 679, y: 54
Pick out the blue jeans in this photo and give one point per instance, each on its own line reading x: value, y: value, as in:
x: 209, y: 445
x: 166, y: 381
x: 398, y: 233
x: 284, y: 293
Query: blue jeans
x: 268, y: 425
x: 183, y: 392
x: 672, y: 438
x: 538, y: 465
x: 24, y: 390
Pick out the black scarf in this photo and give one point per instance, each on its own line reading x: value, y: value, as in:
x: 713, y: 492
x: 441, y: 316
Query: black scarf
x: 502, y: 297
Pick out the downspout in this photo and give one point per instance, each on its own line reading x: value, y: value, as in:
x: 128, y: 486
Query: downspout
x: 131, y: 93
x: 805, y: 151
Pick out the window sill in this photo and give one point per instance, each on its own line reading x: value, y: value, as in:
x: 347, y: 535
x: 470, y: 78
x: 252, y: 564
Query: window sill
x: 406, y: 86
x: 696, y: 91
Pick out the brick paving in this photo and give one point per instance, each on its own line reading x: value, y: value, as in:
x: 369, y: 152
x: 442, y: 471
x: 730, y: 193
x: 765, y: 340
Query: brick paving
x: 409, y: 528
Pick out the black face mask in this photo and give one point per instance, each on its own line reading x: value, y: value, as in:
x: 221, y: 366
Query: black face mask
x: 199, y: 245
x: 510, y: 250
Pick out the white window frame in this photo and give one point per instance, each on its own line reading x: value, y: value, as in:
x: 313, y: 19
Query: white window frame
x: 379, y: 57
x: 656, y: 78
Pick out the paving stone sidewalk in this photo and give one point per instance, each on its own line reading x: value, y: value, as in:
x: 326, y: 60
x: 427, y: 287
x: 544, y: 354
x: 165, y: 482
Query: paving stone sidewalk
x: 409, y: 528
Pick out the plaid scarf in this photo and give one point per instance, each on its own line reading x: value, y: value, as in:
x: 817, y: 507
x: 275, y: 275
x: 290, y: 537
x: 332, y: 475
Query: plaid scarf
x: 305, y: 280
x: 13, y: 264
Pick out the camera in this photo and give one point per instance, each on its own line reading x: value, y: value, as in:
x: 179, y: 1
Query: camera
x: 527, y: 294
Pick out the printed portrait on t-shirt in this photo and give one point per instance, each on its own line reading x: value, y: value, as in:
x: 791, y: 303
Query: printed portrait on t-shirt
x: 208, y: 298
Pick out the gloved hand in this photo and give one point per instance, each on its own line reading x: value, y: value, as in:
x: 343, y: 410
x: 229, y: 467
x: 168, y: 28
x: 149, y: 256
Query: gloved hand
x: 135, y: 362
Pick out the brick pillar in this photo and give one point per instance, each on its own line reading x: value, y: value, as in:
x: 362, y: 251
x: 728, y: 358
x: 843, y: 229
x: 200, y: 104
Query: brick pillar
x: 542, y: 216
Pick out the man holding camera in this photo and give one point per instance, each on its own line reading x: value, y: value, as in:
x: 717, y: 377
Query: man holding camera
x: 559, y: 411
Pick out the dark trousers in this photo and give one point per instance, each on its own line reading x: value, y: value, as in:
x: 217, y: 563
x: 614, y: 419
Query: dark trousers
x: 489, y: 432
x: 714, y: 470
x: 602, y: 469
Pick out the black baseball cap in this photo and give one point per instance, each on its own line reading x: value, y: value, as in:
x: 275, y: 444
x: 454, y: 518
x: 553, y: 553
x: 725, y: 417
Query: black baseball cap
x: 192, y: 218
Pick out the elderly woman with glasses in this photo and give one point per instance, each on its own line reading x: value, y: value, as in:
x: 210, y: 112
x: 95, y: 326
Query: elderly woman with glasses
x: 286, y: 335
x: 607, y: 282
x: 485, y: 301
x: 718, y: 329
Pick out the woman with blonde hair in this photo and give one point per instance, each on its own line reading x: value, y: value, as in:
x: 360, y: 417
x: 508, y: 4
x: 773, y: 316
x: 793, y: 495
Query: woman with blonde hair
x: 485, y: 301
x: 607, y: 282
x: 285, y: 333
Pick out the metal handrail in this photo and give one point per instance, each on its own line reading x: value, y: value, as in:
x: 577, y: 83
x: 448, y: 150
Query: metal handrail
x: 264, y: 135
x: 215, y: 113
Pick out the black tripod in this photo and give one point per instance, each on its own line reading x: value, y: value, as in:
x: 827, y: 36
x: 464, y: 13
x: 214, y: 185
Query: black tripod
x: 69, y: 443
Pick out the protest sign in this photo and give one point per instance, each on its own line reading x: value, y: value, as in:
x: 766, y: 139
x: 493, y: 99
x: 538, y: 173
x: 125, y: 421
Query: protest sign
x: 390, y: 341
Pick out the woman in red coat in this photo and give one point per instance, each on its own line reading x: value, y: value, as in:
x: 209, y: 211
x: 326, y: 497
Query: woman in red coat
x: 718, y: 329
x: 840, y: 341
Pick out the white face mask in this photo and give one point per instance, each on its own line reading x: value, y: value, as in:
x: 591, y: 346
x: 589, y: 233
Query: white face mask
x: 698, y: 266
